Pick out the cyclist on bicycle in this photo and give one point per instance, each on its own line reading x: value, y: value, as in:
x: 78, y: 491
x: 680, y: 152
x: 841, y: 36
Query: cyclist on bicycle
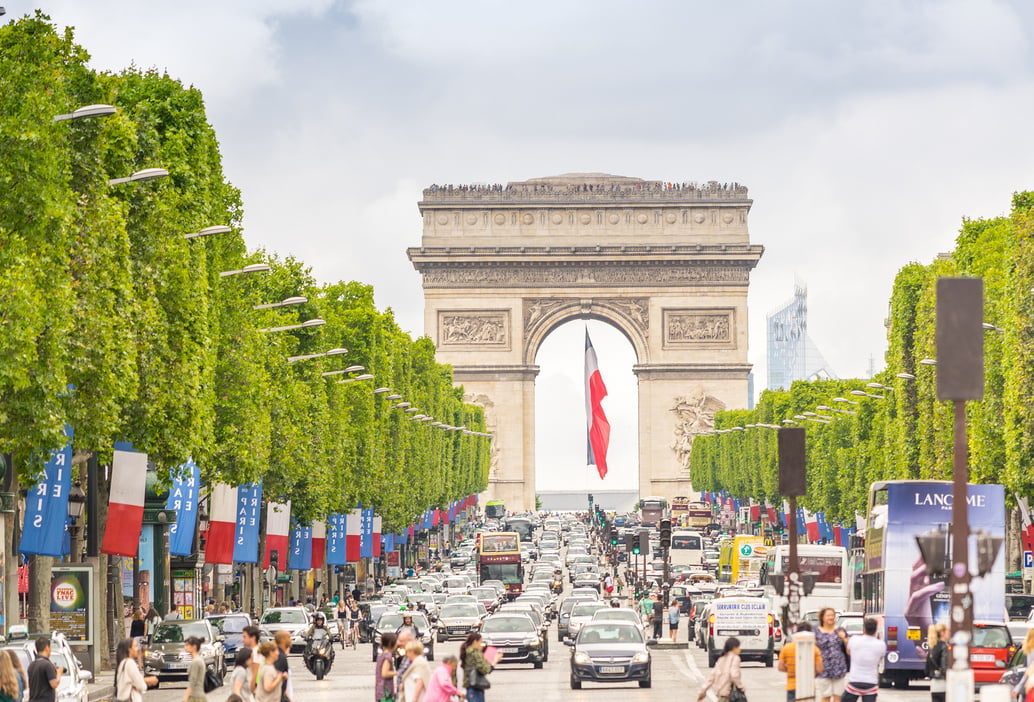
x: 354, y: 617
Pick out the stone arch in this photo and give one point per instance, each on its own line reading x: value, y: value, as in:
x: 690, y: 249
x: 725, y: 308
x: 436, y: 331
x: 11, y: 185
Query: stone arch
x: 610, y: 311
x: 667, y: 264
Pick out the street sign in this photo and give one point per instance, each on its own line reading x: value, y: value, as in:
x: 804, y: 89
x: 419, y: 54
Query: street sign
x: 1028, y: 559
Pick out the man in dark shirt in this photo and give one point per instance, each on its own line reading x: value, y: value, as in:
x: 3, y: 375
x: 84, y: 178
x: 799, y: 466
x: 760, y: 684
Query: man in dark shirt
x: 43, y: 676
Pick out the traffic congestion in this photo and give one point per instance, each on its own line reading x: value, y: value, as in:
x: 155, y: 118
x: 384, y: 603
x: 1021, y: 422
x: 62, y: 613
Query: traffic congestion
x: 587, y: 603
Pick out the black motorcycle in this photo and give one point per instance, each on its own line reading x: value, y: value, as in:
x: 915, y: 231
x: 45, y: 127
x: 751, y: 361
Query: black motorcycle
x: 319, y: 654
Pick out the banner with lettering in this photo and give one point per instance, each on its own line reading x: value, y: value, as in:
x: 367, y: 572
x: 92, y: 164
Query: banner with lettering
x: 46, y: 505
x: 366, y: 543
x: 246, y: 536
x: 300, y: 557
x: 183, y: 496
x: 336, y: 539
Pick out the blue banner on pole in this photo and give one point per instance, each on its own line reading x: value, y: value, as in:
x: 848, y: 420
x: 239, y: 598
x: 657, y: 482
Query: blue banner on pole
x: 366, y: 544
x: 46, y: 505
x: 300, y: 557
x: 336, y: 539
x: 246, y: 534
x: 402, y: 537
x: 183, y: 497
x: 388, y: 541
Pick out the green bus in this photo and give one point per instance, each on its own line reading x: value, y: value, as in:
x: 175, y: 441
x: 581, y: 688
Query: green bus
x: 495, y: 509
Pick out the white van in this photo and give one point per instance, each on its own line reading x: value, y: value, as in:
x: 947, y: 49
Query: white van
x: 749, y: 620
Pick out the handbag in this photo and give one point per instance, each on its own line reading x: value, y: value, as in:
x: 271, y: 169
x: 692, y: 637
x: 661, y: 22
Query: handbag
x: 212, y: 679
x: 736, y: 694
x: 475, y: 679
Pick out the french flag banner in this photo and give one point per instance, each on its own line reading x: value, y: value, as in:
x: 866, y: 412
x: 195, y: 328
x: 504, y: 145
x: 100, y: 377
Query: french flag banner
x: 300, y: 557
x: 222, y: 522
x: 319, y: 544
x: 46, y: 505
x: 597, y: 426
x: 246, y: 535
x: 354, y: 536
x: 126, y: 504
x: 336, y: 539
x: 811, y: 525
x: 770, y: 513
x: 755, y: 513
x: 278, y: 530
x: 376, y: 537
x: 410, y: 533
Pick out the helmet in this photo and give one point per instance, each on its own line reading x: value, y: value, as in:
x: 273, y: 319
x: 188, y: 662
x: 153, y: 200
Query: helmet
x: 318, y: 618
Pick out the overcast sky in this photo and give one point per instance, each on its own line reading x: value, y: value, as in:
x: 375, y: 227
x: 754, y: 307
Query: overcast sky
x: 865, y: 131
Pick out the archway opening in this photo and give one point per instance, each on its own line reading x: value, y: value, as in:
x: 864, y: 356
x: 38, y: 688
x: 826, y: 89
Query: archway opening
x: 562, y: 477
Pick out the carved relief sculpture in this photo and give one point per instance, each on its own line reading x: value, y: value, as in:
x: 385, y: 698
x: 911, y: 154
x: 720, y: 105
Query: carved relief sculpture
x: 474, y: 328
x: 698, y: 327
x: 693, y: 415
x: 637, y: 309
x: 537, y: 308
x: 484, y: 401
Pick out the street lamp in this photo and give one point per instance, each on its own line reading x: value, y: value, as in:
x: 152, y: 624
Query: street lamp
x: 317, y: 322
x: 411, y: 410
x: 905, y: 376
x: 350, y: 369
x: 364, y: 376
x: 394, y: 396
x: 84, y: 112
x: 844, y: 399
x: 145, y: 174
x: 308, y: 356
x: 928, y: 362
x: 401, y: 405
x: 789, y: 421
x: 378, y: 391
x: 286, y: 302
x: 209, y: 231
x: 253, y: 268
x: 878, y: 386
x: 76, y: 503
x: 862, y: 393
x: 990, y: 327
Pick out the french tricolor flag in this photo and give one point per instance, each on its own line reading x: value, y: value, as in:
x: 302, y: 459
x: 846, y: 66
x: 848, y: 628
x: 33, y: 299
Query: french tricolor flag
x: 353, y: 536
x: 376, y: 537
x: 596, y: 421
x: 319, y: 543
x: 222, y: 524
x: 126, y: 503
x: 811, y: 525
x: 278, y: 529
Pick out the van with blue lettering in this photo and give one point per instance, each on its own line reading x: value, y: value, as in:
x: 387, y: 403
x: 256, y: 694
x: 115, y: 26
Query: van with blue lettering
x: 749, y: 620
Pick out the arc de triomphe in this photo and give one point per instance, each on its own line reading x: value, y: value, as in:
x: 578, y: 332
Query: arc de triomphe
x: 667, y: 264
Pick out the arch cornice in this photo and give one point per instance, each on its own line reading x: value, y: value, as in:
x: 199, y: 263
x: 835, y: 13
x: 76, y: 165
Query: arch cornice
x: 630, y: 316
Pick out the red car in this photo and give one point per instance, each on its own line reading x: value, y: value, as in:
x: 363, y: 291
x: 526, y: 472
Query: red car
x: 991, y: 651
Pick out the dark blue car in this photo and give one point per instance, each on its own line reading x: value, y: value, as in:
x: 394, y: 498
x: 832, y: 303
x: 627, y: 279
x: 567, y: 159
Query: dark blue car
x: 231, y: 626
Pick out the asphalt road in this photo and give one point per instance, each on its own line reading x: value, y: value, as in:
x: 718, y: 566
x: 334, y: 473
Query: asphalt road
x: 677, y: 675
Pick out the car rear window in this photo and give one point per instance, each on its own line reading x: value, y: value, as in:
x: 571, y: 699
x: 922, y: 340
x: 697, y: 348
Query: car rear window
x: 991, y: 637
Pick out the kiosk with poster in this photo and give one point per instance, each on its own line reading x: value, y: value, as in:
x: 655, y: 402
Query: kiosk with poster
x: 185, y: 592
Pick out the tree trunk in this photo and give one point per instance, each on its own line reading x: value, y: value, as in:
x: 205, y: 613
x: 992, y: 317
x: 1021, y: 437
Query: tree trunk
x: 12, y: 613
x: 38, y: 613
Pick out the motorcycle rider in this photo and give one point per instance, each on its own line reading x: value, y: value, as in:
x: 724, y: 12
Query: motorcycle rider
x: 408, y: 625
x: 318, y: 622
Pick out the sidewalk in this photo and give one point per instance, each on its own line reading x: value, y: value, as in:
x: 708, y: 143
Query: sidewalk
x: 102, y: 687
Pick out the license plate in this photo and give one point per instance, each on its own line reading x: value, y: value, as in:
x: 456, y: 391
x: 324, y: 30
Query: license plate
x: 738, y: 632
x: 914, y: 635
x: 605, y: 669
x: 178, y: 666
x: 508, y: 649
x: 982, y: 658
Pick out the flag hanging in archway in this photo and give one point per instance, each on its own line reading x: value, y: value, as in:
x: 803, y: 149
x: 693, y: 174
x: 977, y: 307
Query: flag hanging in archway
x: 596, y: 421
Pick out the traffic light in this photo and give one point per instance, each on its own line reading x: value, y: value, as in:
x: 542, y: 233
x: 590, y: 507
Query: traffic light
x: 613, y: 535
x: 644, y: 542
x: 636, y: 544
x: 630, y: 543
x: 665, y: 533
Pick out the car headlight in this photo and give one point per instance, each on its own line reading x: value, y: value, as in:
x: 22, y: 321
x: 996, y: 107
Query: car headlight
x: 533, y: 642
x: 154, y: 655
x: 642, y: 657
x: 582, y: 658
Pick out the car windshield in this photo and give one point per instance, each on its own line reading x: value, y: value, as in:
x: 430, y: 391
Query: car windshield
x: 852, y: 625
x: 393, y: 620
x: 616, y: 615
x: 1019, y: 606
x: 508, y: 624
x: 283, y: 616
x: 459, y: 610
x: 230, y: 625
x: 178, y: 633
x: 609, y: 633
x: 991, y: 637
x: 586, y: 610
x: 483, y: 593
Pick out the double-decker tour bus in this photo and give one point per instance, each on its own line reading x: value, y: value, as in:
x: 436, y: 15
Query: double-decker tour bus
x: 830, y: 566
x: 652, y: 510
x: 896, y: 589
x: 679, y: 510
x: 499, y: 558
x: 495, y: 509
x: 699, y: 515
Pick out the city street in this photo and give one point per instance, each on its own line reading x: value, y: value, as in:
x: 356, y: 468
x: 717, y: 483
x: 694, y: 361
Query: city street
x: 678, y: 674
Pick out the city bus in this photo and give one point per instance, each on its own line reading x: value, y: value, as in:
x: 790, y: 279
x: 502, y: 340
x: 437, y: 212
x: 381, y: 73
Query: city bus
x: 833, y: 576
x: 734, y: 557
x: 699, y: 515
x: 521, y: 525
x: 652, y: 510
x: 687, y: 548
x: 896, y: 590
x: 495, y: 509
x: 499, y: 558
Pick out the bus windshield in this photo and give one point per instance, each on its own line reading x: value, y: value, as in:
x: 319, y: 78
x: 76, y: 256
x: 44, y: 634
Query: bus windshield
x: 521, y: 526
x: 827, y: 569
x: 688, y: 541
